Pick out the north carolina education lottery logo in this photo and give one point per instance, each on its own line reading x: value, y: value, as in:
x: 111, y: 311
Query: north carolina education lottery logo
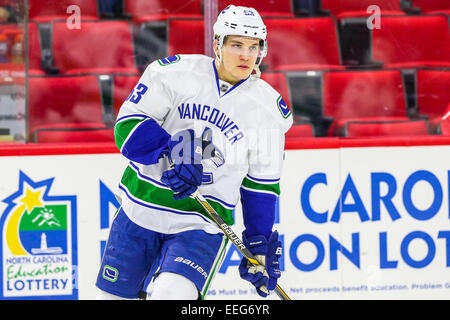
x: 38, y: 248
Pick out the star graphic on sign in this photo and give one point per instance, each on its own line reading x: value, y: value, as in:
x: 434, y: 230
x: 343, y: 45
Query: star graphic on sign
x: 30, y: 194
x: 32, y: 199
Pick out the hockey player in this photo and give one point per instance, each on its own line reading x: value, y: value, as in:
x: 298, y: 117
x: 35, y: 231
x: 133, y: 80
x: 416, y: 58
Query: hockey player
x: 196, y: 122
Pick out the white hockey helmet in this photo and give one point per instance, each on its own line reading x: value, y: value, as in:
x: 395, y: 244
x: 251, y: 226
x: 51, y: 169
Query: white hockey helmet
x: 241, y: 21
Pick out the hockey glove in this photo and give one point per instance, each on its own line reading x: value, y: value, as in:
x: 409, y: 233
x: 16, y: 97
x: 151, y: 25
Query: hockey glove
x: 185, y: 153
x: 265, y: 276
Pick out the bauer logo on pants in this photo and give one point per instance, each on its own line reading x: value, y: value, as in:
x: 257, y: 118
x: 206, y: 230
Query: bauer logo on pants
x: 38, y: 248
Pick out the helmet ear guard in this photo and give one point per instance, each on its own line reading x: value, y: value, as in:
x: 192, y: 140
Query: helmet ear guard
x: 263, y: 52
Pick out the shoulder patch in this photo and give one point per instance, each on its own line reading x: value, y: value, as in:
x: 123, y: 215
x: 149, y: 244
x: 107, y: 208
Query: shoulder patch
x: 169, y: 60
x: 283, y: 107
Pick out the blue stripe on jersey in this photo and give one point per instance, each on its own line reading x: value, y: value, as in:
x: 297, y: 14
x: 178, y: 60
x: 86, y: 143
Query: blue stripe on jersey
x: 146, y: 143
x: 151, y: 180
x: 231, y: 206
x: 132, y: 116
x: 263, y: 180
x: 258, y: 212
x: 217, y: 76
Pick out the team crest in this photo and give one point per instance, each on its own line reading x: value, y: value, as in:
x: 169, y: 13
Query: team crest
x: 38, y: 248
x: 169, y: 60
x: 283, y: 107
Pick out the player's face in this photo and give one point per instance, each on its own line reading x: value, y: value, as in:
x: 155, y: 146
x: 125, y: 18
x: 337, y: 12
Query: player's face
x: 239, y: 56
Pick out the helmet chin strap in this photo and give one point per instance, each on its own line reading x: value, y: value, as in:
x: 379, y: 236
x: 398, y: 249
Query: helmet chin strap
x: 219, y: 46
x: 256, y: 73
x: 219, y: 58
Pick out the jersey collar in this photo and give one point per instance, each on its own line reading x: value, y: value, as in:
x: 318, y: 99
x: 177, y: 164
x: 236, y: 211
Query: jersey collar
x: 217, y: 82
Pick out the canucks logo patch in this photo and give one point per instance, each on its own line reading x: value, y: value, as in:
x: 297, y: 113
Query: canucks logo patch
x: 110, y: 273
x: 38, y: 249
x: 169, y: 60
x: 283, y: 107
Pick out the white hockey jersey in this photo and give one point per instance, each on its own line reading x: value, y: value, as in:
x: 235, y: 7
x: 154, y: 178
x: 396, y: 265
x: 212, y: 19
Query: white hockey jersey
x: 248, y: 122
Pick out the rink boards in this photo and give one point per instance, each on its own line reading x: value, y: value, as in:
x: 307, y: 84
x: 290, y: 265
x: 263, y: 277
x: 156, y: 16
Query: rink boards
x: 358, y: 220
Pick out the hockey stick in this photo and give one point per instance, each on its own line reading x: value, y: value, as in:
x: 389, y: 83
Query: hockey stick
x: 233, y: 237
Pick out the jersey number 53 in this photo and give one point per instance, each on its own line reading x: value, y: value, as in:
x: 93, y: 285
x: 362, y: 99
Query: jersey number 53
x: 137, y: 93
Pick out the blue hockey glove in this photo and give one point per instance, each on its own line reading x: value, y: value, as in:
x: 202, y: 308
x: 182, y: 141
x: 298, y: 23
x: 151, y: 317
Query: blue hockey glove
x: 265, y: 276
x: 185, y: 152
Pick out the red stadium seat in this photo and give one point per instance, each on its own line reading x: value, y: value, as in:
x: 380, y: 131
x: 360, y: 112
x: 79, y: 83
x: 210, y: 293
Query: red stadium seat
x: 151, y: 10
x: 412, y: 41
x: 303, y: 130
x: 186, y: 37
x: 302, y: 44
x: 279, y: 82
x: 363, y: 96
x: 56, y: 102
x: 48, y: 10
x: 358, y: 8
x: 100, y: 47
x: 122, y: 86
x: 279, y: 8
x: 432, y: 6
x: 433, y: 94
x: 77, y: 135
x: 355, y: 129
x: 34, y: 49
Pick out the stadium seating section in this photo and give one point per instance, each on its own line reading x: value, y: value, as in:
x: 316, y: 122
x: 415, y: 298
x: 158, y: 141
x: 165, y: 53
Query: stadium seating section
x: 345, y: 8
x: 148, y: 11
x: 411, y: 42
x: 279, y: 8
x: 300, y: 130
x: 178, y: 43
x: 432, y: 6
x: 319, y: 47
x: 279, y: 82
x: 363, y: 96
x: 78, y: 50
x: 78, y: 135
x: 433, y: 95
x: 49, y: 10
x: 388, y: 81
x: 72, y: 102
x: 385, y: 128
x: 34, y: 57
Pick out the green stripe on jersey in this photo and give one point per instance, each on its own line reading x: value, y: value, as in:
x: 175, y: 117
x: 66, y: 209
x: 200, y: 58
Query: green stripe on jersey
x: 123, y: 129
x: 272, y: 188
x: 154, y: 194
